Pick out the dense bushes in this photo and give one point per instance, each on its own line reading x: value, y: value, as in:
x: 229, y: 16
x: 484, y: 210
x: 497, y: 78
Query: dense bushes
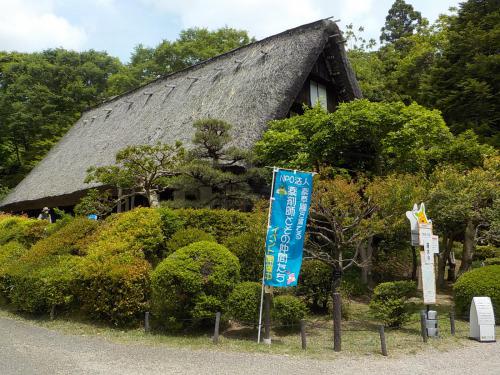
x: 243, y: 302
x: 390, y: 304
x: 184, y: 237
x: 138, y: 232
x: 21, y: 229
x: 222, y: 224
x: 492, y: 261
x: 114, y: 288
x: 9, y: 257
x: 484, y: 281
x: 47, y: 274
x: 114, y: 276
x: 194, y: 282
x: 288, y: 310
x: 485, y: 252
x: 315, y: 284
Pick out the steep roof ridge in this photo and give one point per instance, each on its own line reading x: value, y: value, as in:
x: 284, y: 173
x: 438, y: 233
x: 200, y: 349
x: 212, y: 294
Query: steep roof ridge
x: 324, y: 21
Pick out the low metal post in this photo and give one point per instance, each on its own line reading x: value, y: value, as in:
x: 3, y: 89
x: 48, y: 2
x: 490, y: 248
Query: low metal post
x: 267, y: 318
x: 337, y: 322
x: 383, y: 345
x: 303, y: 334
x: 216, y: 329
x: 423, y: 326
x: 452, y: 322
x: 53, y: 312
x: 146, y: 322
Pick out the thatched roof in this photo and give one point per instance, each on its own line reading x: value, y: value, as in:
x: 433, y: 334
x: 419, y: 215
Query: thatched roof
x: 246, y: 87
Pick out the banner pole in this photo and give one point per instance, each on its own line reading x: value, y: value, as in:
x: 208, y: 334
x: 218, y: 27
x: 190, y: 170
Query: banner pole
x: 264, y: 269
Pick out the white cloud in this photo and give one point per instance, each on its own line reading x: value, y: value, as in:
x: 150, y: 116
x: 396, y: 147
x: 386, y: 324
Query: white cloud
x: 31, y: 25
x: 261, y: 17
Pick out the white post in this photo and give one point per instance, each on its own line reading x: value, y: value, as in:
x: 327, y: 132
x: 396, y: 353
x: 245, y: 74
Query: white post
x: 264, y: 270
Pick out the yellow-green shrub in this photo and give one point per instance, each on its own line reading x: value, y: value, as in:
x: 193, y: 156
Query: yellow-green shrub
x: 114, y: 288
x: 9, y: 255
x: 21, y: 229
x: 138, y: 232
x: 47, y: 274
x: 114, y: 276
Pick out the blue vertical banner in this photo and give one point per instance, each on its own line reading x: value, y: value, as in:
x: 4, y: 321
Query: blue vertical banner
x: 287, y: 225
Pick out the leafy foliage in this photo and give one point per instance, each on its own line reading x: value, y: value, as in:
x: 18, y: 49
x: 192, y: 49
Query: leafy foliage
x: 222, y: 224
x: 244, y: 301
x: 184, y: 237
x: 369, y: 137
x: 401, y: 21
x: 484, y: 281
x: 389, y: 302
x: 193, y: 282
x: 315, y: 284
x: 21, y: 229
x: 288, y: 310
x: 143, y: 169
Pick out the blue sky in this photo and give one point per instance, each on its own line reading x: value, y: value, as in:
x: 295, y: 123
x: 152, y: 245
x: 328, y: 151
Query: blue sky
x: 116, y: 26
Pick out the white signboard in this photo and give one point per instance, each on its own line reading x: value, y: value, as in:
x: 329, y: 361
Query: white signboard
x: 428, y: 280
x: 482, y: 319
x: 425, y: 233
x: 413, y: 226
x: 435, y: 244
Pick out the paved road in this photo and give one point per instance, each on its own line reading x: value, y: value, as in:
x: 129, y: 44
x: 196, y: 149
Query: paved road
x: 31, y: 350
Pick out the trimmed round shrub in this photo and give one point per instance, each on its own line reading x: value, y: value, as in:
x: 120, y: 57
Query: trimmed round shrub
x: 315, y: 282
x: 222, y: 224
x: 249, y: 248
x: 390, y: 303
x: 479, y: 282
x: 288, y: 310
x: 184, y: 237
x: 492, y: 262
x: 193, y: 282
x: 244, y: 302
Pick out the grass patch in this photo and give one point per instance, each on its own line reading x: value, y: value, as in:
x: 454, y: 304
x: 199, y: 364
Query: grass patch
x: 359, y: 338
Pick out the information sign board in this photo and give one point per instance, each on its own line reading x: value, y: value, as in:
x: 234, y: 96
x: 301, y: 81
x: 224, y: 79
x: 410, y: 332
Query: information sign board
x: 428, y: 280
x: 482, y: 319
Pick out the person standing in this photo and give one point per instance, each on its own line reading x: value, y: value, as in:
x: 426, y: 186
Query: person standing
x: 45, y: 215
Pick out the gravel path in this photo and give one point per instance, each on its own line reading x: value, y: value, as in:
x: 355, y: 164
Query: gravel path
x: 27, y: 350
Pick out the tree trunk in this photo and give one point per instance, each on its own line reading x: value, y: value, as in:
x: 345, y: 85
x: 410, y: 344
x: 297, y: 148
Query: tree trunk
x: 414, y: 261
x: 443, y: 259
x: 154, y: 199
x: 468, y: 247
x: 365, y: 253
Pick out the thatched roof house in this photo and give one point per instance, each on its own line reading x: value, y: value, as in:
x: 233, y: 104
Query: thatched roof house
x: 247, y: 87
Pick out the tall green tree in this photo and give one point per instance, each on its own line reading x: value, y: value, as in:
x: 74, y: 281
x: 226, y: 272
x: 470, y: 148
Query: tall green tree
x: 41, y: 95
x: 465, y: 80
x: 401, y: 21
x: 191, y: 47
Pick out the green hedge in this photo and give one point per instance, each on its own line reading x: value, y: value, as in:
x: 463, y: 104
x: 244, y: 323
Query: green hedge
x: 184, y: 237
x: 288, y: 310
x: 390, y: 303
x: 244, y: 302
x: 315, y: 283
x: 193, y: 282
x: 138, y: 232
x: 10, y: 253
x: 114, y: 277
x: 485, y: 252
x: 222, y: 224
x: 479, y: 282
x: 47, y: 274
x: 21, y: 229
x: 492, y: 262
